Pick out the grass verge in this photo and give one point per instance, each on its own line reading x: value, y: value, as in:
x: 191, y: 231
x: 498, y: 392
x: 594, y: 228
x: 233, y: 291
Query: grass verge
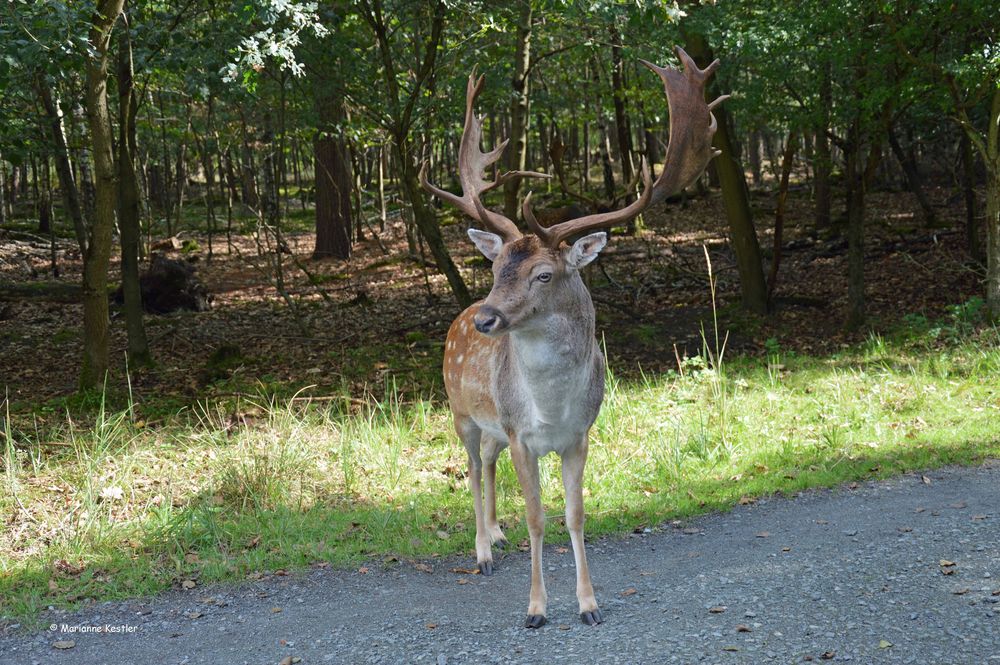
x: 116, y: 508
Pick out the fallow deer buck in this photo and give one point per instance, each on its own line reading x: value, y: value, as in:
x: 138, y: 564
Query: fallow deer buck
x: 522, y: 368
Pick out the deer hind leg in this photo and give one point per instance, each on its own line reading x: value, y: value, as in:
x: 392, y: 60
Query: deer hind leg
x: 573, y: 462
x: 471, y: 437
x: 491, y: 449
x: 526, y: 464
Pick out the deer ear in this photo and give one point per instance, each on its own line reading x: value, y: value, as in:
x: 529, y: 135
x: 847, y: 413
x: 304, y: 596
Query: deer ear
x: 489, y: 244
x: 586, y: 249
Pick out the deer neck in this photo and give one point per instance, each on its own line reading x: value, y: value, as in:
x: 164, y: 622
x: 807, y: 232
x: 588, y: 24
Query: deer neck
x: 555, y: 348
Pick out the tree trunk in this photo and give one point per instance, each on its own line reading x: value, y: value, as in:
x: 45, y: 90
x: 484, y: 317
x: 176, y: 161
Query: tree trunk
x: 519, y: 107
x: 333, y: 190
x: 787, y: 158
x: 735, y: 196
x: 128, y: 205
x: 621, y: 120
x: 855, y: 193
x: 993, y: 209
x: 913, y: 180
x: 753, y: 155
x: 823, y: 164
x: 972, y: 241
x: 98, y: 255
x: 426, y: 221
x: 64, y: 166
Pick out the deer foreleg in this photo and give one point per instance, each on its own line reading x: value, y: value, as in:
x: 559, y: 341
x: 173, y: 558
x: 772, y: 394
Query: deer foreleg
x: 491, y: 450
x: 573, y: 462
x: 471, y: 437
x: 526, y: 464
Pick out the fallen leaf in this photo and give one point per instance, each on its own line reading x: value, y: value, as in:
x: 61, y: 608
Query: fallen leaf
x: 747, y: 500
x: 718, y: 609
x: 730, y: 648
x: 786, y: 549
x: 191, y: 557
x: 852, y: 486
x: 432, y: 626
x: 443, y: 535
x: 363, y: 570
x: 64, y: 644
x: 275, y: 610
x: 828, y: 655
x: 904, y: 529
x: 465, y: 571
x: 961, y: 592
x: 978, y: 518
x: 188, y: 584
x: 926, y: 481
x: 884, y: 644
x: 945, y: 563
x: 193, y: 615
x: 462, y: 580
x: 742, y: 628
x: 821, y: 522
x: 631, y: 591
x: 253, y: 542
x: 423, y: 567
x: 561, y: 550
x: 958, y: 505
x: 53, y: 586
x: 763, y: 534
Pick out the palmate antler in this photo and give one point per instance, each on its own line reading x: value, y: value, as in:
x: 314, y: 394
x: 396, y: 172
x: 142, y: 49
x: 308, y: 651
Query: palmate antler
x: 471, y: 164
x: 692, y: 127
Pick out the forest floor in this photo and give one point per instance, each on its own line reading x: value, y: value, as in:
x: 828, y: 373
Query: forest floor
x: 254, y: 446
x: 379, y: 320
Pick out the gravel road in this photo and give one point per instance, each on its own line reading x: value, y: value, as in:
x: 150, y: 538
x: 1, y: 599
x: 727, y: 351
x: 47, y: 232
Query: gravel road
x: 903, y: 571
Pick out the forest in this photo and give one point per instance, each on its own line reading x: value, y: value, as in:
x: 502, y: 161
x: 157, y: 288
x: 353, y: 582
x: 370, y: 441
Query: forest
x: 224, y: 291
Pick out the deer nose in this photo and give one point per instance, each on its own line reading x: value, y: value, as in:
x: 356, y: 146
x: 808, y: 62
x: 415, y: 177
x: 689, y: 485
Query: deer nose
x: 489, y: 319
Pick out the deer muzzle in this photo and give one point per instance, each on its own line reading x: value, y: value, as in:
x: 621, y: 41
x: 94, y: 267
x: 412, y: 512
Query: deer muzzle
x: 490, y: 320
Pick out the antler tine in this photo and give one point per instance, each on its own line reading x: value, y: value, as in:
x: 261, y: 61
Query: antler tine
x: 692, y: 126
x: 472, y: 162
x: 554, y: 235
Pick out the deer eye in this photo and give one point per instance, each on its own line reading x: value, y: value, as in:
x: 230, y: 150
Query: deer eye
x: 544, y: 277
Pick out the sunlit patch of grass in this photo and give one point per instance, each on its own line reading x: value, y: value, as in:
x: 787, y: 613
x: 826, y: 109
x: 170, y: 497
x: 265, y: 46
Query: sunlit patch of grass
x: 114, y: 507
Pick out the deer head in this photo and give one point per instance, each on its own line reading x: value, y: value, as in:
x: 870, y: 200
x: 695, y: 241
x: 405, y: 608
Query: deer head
x: 531, y: 271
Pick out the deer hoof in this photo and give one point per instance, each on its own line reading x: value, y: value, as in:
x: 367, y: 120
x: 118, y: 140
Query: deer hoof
x: 501, y: 544
x: 592, y: 618
x: 535, y: 621
x: 486, y: 568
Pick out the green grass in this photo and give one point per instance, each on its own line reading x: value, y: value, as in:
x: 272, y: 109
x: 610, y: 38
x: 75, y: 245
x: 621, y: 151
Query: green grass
x: 113, y: 507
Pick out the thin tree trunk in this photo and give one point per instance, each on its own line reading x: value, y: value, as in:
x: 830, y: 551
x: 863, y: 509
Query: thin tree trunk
x: 128, y: 204
x: 779, y: 212
x: 992, y: 157
x: 98, y: 255
x: 64, y: 166
x: 427, y: 224
x: 972, y: 241
x: 333, y: 184
x: 823, y: 164
x: 735, y: 196
x: 519, y: 107
x: 913, y: 179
